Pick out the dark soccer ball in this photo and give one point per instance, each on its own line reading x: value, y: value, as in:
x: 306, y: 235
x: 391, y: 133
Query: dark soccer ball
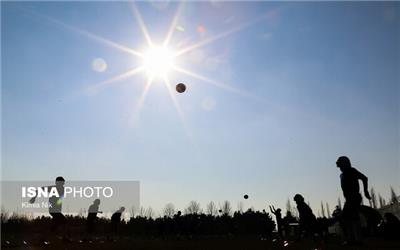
x: 246, y: 196
x: 180, y: 87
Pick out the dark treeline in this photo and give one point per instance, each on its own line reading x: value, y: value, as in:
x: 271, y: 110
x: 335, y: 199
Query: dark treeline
x: 246, y: 224
x: 250, y: 223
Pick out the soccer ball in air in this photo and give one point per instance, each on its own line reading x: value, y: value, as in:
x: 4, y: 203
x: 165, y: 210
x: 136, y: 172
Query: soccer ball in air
x: 180, y: 87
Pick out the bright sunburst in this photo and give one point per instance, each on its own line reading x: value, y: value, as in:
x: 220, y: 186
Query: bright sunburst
x: 158, y: 61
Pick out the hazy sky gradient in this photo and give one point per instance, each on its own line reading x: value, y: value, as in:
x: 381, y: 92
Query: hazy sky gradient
x: 322, y: 81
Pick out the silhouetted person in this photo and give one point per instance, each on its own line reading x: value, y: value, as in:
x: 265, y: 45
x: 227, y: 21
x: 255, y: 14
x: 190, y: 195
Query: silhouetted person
x: 307, y: 219
x: 279, y: 221
x: 116, y: 219
x: 351, y: 192
x: 337, y: 212
x: 178, y: 224
x: 55, y: 204
x: 92, y: 215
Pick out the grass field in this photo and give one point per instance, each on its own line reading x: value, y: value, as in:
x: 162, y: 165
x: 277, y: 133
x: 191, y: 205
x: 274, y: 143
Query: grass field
x: 129, y: 243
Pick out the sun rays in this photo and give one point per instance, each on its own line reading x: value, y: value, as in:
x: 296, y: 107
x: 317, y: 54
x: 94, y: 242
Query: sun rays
x: 158, y: 61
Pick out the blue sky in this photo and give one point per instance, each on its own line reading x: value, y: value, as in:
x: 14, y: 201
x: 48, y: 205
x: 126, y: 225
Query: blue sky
x: 317, y: 80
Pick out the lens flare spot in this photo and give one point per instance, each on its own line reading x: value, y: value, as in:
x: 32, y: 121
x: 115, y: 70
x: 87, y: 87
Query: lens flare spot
x: 99, y: 65
x: 59, y: 201
x: 201, y: 29
x: 208, y: 104
x: 180, y: 28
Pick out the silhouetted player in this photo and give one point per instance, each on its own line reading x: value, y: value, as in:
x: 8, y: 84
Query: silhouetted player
x: 279, y: 221
x: 307, y: 218
x: 55, y: 204
x: 351, y: 192
x: 116, y: 219
x: 92, y: 215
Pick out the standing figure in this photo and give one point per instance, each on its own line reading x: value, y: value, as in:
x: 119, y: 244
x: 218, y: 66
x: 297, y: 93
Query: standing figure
x: 351, y: 192
x: 279, y: 220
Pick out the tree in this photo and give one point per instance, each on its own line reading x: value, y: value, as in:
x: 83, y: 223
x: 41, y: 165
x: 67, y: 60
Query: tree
x: 289, y: 207
x: 133, y: 211
x: 322, y: 209
x: 373, y: 199
x: 169, y: 210
x: 149, y: 212
x: 193, y: 208
x: 240, y: 207
x: 5, y: 215
x: 328, y: 211
x: 142, y: 212
x: 339, y: 203
x: 226, y: 208
x: 211, y: 209
x: 382, y: 201
x: 393, y: 196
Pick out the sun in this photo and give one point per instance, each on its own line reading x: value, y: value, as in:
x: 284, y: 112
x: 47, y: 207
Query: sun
x: 158, y: 61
